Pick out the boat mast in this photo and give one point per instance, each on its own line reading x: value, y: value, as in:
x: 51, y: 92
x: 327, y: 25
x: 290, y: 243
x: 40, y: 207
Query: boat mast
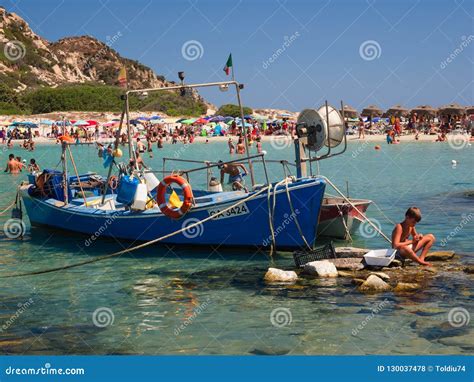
x: 244, y: 131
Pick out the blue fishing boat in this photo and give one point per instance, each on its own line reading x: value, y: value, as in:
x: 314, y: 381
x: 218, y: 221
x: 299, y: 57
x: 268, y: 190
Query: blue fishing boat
x: 134, y: 205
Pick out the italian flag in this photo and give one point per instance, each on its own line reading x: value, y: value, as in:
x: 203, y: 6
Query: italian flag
x: 228, y: 65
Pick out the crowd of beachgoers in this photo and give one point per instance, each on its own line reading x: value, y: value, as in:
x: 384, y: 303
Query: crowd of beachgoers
x: 155, y: 130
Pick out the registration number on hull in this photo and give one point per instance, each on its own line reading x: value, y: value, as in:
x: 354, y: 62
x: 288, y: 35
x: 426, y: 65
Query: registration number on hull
x: 241, y: 209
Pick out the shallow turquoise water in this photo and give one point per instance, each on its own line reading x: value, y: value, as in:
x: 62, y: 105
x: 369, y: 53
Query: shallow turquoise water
x: 166, y: 299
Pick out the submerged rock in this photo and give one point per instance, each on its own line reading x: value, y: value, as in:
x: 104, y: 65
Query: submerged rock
x: 357, y: 281
x: 278, y: 275
x: 439, y: 256
x: 322, y: 268
x: 405, y: 287
x: 374, y: 284
x: 382, y: 275
x: 344, y: 274
x: 469, y: 269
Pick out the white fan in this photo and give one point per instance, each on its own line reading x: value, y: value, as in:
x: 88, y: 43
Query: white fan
x: 335, y: 136
x: 312, y: 126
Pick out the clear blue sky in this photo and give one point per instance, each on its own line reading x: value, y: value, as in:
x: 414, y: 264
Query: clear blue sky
x: 323, y: 59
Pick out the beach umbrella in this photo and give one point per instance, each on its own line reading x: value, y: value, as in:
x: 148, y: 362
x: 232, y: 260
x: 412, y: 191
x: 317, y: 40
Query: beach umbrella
x: 470, y: 110
x: 92, y: 122
x: 46, y: 122
x: 397, y: 111
x: 372, y: 111
x: 142, y: 119
x: 155, y: 121
x: 80, y: 123
x: 181, y: 120
x: 228, y: 119
x: 349, y: 112
x: 217, y: 118
x: 424, y: 110
x: 187, y: 121
x: 200, y: 121
x: 110, y: 124
x: 155, y: 117
x: 452, y: 108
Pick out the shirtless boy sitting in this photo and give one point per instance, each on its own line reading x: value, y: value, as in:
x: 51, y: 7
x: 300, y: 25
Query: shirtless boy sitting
x: 406, y: 247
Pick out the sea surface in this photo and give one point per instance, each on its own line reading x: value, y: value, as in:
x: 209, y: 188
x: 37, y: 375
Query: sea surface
x: 170, y: 300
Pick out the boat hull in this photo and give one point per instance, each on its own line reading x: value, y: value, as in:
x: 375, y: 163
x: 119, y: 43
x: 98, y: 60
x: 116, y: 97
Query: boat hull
x: 245, y: 225
x: 339, y: 219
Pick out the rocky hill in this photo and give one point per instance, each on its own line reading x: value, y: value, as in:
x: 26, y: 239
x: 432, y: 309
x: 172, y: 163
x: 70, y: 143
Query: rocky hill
x: 28, y: 60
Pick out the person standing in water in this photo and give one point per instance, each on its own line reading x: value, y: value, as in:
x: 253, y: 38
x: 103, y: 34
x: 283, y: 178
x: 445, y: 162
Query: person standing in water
x: 231, y: 146
x: 241, y: 146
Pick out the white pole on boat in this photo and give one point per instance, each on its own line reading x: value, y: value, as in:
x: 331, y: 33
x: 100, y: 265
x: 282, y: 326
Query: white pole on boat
x: 244, y: 130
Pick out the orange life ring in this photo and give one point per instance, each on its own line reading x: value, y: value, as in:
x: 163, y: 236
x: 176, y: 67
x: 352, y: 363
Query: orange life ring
x: 174, y: 213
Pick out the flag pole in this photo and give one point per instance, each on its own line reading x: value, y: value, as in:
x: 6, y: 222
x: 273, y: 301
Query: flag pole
x: 244, y: 130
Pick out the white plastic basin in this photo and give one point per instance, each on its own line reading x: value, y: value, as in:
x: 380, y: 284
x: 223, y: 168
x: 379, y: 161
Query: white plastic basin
x: 380, y: 257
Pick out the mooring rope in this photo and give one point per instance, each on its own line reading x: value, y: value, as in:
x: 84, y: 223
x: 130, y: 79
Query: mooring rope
x: 8, y: 208
x: 115, y: 254
x: 353, y: 206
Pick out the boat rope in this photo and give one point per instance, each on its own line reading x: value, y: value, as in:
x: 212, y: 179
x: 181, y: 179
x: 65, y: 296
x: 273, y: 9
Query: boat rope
x: 143, y: 245
x: 353, y: 206
x: 8, y: 208
x: 293, y: 214
x: 383, y: 214
x: 346, y: 228
x: 270, y: 220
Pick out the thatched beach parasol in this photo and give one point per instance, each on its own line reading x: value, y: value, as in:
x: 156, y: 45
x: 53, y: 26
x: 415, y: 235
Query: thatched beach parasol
x: 397, y: 111
x: 372, y: 111
x: 349, y: 112
x: 452, y: 109
x: 470, y: 110
x: 426, y: 110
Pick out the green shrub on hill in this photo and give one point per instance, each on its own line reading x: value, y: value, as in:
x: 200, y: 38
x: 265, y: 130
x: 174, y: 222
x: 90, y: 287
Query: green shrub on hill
x: 233, y: 110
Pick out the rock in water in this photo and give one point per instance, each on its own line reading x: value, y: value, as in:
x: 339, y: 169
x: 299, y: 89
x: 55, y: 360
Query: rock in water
x: 349, y: 263
x: 406, y: 287
x: 382, y: 275
x: 469, y: 269
x: 374, y: 284
x: 275, y: 275
x: 439, y: 256
x: 322, y: 268
x: 351, y: 251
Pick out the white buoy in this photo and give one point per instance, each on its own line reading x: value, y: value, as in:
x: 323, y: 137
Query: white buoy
x: 264, y: 152
x: 454, y: 163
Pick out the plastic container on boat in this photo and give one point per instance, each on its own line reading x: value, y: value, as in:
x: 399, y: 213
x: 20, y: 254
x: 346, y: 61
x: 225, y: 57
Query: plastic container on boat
x: 141, y: 197
x: 151, y: 181
x: 214, y: 185
x: 380, y: 257
x: 127, y: 189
